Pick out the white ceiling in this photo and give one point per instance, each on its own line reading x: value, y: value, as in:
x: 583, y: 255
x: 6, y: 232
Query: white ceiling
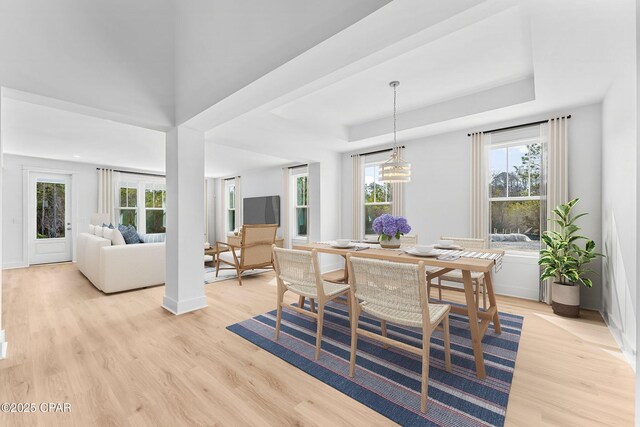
x: 111, y: 55
x: 40, y: 131
x: 489, y: 53
x: 563, y: 53
x: 461, y: 66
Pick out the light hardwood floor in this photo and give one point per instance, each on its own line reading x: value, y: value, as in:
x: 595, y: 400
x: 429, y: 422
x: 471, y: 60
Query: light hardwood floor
x: 123, y: 360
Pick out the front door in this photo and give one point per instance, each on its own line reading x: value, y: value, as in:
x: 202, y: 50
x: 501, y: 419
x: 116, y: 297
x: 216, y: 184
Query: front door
x: 49, y: 218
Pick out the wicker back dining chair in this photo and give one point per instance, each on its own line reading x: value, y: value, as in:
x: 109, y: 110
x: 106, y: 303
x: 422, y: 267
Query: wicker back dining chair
x: 254, y: 250
x: 395, y: 292
x: 477, y: 279
x: 409, y: 240
x: 299, y: 272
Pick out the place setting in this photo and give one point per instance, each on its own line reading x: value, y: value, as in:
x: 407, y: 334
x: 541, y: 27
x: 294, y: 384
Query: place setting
x: 347, y: 244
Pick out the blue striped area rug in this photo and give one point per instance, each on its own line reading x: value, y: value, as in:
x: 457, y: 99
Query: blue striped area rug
x: 388, y: 380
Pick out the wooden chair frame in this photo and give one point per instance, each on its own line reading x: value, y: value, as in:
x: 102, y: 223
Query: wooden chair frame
x: 239, y: 264
x: 321, y: 298
x: 427, y: 330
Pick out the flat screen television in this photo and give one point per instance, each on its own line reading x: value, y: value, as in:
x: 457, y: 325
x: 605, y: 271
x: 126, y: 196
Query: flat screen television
x: 261, y: 210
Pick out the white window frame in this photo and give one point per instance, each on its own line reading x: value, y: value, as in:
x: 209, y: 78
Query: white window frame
x: 128, y: 184
x: 375, y: 160
x: 506, y: 145
x: 293, y: 191
x: 154, y: 186
x: 228, y: 184
x: 140, y: 182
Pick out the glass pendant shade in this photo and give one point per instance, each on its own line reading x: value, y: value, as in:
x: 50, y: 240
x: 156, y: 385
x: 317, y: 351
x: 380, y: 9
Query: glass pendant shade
x: 395, y: 169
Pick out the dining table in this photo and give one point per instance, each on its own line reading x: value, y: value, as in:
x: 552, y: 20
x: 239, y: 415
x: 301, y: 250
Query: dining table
x: 479, y: 319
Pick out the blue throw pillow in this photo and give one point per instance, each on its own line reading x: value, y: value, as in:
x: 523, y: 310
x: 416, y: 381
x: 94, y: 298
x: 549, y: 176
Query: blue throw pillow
x: 152, y: 238
x: 129, y: 234
x: 108, y: 226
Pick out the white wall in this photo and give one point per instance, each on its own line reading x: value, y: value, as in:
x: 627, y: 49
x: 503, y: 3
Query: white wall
x: 324, y: 199
x: 437, y: 198
x: 619, y: 215
x: 14, y: 220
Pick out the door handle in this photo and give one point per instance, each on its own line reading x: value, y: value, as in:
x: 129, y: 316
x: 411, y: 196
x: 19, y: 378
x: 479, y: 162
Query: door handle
x: 68, y: 228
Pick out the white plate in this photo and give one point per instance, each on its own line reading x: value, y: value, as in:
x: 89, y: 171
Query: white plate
x: 424, y: 254
x: 337, y: 246
x: 448, y: 247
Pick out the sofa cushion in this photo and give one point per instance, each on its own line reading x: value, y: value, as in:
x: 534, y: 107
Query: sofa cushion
x: 99, y: 231
x: 114, y: 235
x: 152, y: 237
x: 129, y: 234
x: 92, y: 229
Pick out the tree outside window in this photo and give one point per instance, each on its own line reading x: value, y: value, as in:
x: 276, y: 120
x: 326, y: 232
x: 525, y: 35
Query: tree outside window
x: 50, y: 210
x: 155, y: 198
x: 231, y: 205
x: 377, y: 197
x: 515, y: 195
x: 301, y: 205
x: 128, y: 208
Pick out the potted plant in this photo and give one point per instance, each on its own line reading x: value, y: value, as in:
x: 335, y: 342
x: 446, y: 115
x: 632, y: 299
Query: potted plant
x: 566, y: 261
x: 389, y: 229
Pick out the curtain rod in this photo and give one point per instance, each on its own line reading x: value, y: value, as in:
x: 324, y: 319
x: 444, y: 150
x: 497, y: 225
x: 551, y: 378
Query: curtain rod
x: 233, y: 177
x: 519, y: 126
x: 136, y: 173
x: 376, y: 152
x: 298, y: 166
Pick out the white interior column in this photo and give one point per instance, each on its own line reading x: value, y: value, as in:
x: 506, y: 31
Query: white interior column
x: 3, y: 340
x: 184, y: 289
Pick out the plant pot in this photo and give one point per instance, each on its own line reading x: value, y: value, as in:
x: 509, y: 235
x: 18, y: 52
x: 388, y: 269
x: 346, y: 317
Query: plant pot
x: 392, y: 243
x: 565, y: 299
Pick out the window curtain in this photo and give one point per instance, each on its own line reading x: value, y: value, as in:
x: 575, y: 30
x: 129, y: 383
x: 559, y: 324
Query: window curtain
x: 285, y: 213
x: 397, y: 193
x: 479, y: 186
x: 357, y: 197
x: 107, y: 193
x: 555, y: 181
x: 238, y: 202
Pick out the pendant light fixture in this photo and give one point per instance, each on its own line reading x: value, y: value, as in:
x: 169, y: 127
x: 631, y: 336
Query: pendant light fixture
x: 395, y: 169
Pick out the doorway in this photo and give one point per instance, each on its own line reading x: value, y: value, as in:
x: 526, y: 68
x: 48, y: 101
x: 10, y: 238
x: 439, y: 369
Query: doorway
x: 50, y: 236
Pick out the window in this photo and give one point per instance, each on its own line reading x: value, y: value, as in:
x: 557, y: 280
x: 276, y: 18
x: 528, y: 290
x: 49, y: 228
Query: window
x: 230, y: 204
x: 155, y: 199
x: 514, y: 194
x: 377, y: 196
x: 300, y: 203
x: 50, y: 209
x: 142, y: 202
x: 128, y: 207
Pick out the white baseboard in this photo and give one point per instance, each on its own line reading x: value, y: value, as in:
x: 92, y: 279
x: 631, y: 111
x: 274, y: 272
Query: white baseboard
x: 623, y: 342
x: 14, y: 264
x: 3, y: 345
x: 185, y: 306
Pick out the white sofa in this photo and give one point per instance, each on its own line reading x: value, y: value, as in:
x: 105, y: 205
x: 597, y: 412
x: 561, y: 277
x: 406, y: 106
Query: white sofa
x: 120, y: 267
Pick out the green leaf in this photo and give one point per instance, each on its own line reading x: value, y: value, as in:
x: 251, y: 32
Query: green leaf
x: 587, y: 282
x: 577, y: 216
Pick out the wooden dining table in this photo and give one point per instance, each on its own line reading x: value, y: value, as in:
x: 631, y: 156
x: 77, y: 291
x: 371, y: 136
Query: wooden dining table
x: 479, y: 320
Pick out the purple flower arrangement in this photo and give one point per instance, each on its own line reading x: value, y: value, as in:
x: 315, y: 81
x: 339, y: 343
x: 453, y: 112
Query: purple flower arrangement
x: 389, y: 226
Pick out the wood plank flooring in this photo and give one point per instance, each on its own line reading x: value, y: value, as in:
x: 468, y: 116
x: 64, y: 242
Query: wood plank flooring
x: 123, y: 360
